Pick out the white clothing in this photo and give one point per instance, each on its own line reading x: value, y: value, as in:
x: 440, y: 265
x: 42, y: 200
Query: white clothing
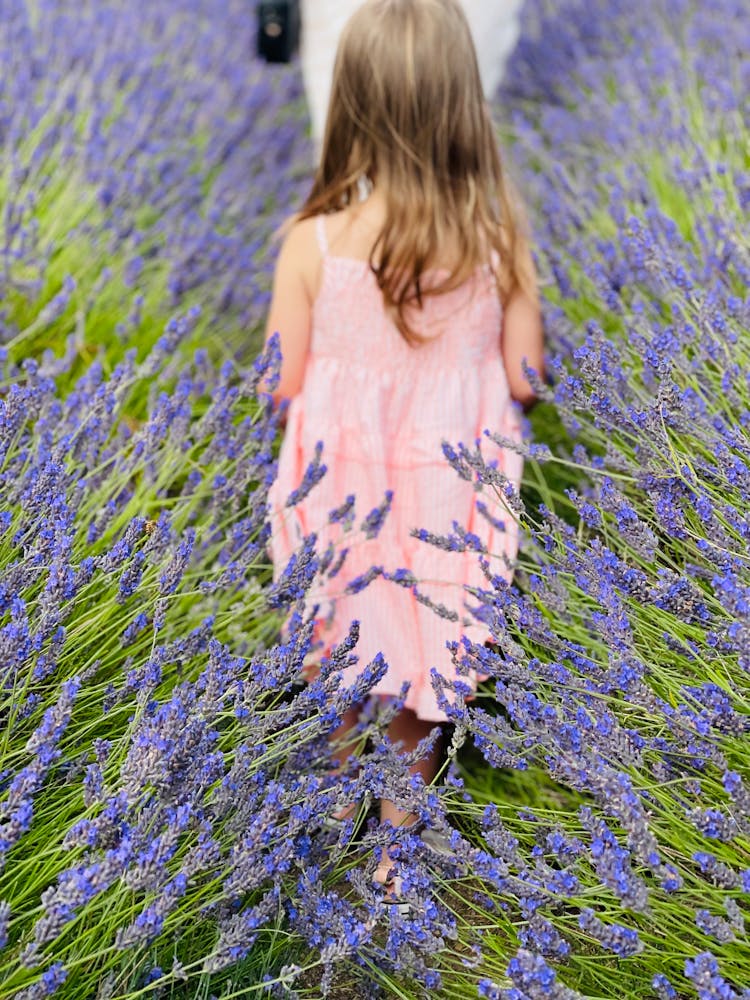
x: 495, y: 25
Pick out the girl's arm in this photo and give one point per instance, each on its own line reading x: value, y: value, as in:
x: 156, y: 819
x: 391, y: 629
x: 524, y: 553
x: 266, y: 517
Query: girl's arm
x: 290, y: 314
x: 523, y: 338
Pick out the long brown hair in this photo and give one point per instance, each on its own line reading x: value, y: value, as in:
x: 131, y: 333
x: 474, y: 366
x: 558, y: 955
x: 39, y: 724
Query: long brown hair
x: 407, y: 111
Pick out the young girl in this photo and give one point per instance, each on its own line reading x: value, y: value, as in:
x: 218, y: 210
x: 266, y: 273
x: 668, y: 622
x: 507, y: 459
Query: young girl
x: 404, y: 319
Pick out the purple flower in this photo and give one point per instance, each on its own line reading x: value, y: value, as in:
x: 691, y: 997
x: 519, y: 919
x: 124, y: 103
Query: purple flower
x: 663, y: 987
x: 373, y: 523
x: 623, y: 941
x: 313, y: 474
x: 4, y: 917
x: 535, y: 979
x: 703, y: 972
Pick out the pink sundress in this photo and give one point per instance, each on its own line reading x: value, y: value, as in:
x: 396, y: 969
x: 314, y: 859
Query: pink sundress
x: 382, y: 409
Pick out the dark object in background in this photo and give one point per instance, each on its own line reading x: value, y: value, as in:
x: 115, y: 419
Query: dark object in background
x: 278, y: 30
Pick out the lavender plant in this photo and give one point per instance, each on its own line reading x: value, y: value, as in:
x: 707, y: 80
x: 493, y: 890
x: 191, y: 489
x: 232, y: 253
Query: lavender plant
x: 620, y: 665
x: 147, y: 158
x: 164, y: 774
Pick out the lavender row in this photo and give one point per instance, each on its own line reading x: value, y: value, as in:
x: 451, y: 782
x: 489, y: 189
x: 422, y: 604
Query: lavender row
x: 165, y: 772
x: 148, y: 156
x: 620, y: 661
x: 621, y: 664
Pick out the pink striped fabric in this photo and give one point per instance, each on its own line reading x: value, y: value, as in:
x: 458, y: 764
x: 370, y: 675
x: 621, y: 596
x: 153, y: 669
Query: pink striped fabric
x: 382, y: 409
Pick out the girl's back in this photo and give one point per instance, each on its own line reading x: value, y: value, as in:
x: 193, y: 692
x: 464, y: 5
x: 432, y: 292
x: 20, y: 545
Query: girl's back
x: 364, y: 379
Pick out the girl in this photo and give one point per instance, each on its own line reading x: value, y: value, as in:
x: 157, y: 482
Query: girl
x: 495, y: 25
x: 404, y: 319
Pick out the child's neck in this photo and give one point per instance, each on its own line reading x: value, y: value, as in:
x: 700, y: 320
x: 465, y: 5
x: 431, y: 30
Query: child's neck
x: 371, y: 210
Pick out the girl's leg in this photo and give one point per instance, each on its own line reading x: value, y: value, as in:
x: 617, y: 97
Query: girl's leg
x: 408, y: 729
x: 342, y: 748
x: 341, y: 742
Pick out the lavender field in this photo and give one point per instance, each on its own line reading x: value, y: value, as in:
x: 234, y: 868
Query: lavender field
x: 164, y: 772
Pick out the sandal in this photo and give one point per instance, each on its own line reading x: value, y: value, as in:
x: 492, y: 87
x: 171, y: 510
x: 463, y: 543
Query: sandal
x: 437, y: 841
x: 392, y: 887
x: 336, y: 820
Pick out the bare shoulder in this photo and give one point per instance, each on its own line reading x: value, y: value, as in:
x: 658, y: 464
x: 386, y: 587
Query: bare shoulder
x: 300, y: 254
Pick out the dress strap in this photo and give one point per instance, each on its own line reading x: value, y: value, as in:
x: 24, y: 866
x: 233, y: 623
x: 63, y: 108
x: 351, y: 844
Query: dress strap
x: 320, y: 229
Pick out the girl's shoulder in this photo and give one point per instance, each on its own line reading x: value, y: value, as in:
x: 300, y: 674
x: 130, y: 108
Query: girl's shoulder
x: 349, y: 233
x: 299, y: 238
x: 300, y: 252
x: 337, y: 232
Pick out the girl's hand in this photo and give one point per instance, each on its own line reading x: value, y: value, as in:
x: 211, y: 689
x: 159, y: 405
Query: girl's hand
x: 523, y: 339
x: 295, y: 287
